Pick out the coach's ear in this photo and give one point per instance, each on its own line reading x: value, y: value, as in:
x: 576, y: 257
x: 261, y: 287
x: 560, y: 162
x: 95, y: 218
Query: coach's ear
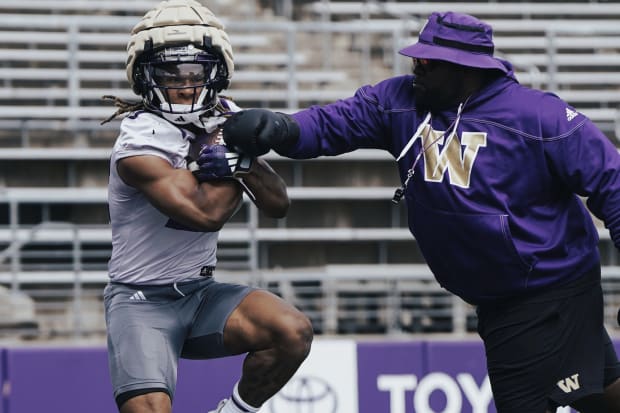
x: 255, y: 132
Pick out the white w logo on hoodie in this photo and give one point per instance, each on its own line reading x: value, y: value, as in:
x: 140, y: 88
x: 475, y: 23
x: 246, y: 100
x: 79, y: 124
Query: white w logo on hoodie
x: 451, y: 159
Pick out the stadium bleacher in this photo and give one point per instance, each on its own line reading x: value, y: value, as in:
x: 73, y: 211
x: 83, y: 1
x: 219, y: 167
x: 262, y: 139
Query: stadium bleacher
x: 344, y: 254
x: 569, y: 50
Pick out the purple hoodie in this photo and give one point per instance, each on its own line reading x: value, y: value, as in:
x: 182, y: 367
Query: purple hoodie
x: 495, y: 208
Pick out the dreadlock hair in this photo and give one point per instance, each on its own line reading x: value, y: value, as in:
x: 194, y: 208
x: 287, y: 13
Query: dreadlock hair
x: 124, y: 106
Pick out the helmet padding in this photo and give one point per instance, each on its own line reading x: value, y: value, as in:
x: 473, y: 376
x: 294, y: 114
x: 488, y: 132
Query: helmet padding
x: 177, y: 23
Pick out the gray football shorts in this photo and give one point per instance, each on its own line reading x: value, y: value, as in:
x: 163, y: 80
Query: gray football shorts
x: 150, y: 326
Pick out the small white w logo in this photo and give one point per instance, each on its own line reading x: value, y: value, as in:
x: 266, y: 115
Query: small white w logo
x: 569, y: 384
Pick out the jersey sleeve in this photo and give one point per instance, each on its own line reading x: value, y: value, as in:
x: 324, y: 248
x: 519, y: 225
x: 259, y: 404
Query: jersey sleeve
x: 146, y: 134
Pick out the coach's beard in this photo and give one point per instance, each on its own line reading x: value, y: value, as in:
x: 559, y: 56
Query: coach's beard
x: 434, y: 100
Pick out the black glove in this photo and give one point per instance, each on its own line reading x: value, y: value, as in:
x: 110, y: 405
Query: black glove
x: 256, y: 131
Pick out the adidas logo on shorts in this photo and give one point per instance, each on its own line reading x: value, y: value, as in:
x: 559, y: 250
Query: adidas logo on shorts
x: 138, y: 296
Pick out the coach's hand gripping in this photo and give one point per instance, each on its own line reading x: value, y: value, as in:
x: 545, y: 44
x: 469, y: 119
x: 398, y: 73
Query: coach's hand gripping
x: 255, y: 132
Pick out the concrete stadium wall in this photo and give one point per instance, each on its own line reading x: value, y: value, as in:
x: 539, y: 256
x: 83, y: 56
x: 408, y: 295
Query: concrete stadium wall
x: 339, y: 376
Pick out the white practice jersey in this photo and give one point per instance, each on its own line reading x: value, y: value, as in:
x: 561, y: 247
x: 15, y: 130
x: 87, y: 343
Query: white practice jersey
x: 147, y: 246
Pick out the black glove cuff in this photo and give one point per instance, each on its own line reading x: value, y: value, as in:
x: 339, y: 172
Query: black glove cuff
x: 289, y: 134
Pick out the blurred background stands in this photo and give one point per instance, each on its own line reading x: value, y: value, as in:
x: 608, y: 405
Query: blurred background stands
x: 344, y: 254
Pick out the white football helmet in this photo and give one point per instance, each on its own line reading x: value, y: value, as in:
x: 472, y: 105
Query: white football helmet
x: 179, y: 48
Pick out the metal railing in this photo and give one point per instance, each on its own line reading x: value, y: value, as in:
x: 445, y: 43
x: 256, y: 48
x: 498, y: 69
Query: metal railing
x: 288, y: 38
x: 387, y: 299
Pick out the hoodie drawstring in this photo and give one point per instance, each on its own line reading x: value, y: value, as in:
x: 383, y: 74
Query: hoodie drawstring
x: 400, y: 192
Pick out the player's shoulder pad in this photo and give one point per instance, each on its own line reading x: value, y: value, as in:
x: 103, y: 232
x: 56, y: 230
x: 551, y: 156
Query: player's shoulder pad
x: 145, y: 132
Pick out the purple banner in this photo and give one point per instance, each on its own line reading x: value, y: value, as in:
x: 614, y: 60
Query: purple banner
x: 387, y: 373
x: 5, y: 399
x: 358, y: 377
x: 77, y: 380
x: 458, y: 380
x: 59, y: 380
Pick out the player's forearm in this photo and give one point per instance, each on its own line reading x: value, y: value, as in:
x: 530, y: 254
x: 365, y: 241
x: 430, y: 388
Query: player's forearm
x: 217, y: 202
x: 268, y: 188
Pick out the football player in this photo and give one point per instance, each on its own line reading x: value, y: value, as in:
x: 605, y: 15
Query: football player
x: 172, y: 187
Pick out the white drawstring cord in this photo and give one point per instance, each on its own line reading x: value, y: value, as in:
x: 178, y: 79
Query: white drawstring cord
x: 449, y: 138
x: 415, y: 136
x: 177, y: 289
x: 400, y: 192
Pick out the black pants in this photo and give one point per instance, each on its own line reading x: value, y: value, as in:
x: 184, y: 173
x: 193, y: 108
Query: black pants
x: 549, y: 349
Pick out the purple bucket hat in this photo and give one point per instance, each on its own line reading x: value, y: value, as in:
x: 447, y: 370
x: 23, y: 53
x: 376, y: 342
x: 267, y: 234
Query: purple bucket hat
x: 457, y: 38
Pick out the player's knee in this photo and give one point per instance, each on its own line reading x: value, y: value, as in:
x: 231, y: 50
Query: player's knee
x: 148, y: 399
x: 296, y: 335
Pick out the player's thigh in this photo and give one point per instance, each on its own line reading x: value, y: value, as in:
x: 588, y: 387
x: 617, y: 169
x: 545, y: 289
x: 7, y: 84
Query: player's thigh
x: 218, y: 302
x: 144, y: 338
x: 263, y: 319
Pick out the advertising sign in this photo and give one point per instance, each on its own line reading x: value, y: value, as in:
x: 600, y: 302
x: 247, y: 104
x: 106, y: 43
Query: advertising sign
x: 326, y: 382
x: 339, y: 376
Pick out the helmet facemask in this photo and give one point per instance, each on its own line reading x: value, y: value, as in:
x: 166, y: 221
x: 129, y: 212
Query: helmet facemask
x: 182, y: 82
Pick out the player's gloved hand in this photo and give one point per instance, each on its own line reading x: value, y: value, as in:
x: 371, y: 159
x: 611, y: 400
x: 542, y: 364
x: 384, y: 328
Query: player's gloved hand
x: 217, y: 162
x: 256, y: 131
